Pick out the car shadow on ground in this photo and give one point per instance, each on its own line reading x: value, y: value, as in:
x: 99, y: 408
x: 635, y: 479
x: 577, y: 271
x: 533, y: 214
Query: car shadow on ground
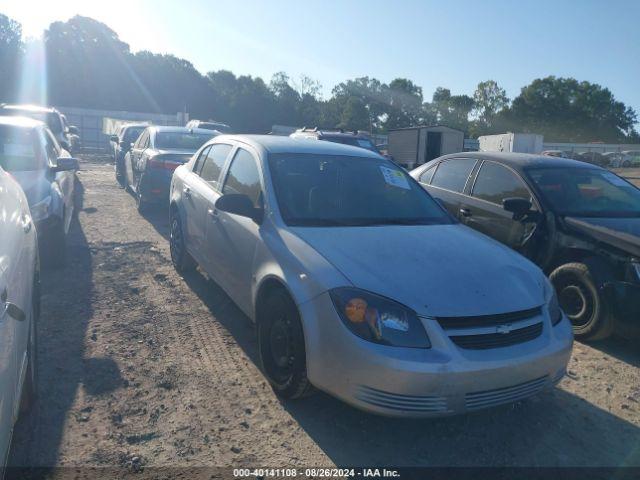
x: 62, y: 364
x: 624, y: 349
x: 556, y: 428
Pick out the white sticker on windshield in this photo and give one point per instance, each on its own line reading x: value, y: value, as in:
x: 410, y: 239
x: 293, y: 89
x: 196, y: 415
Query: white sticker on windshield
x: 395, y: 177
x: 615, y: 180
x: 18, y: 149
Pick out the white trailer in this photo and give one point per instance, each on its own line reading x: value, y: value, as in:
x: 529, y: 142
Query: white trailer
x: 512, y: 142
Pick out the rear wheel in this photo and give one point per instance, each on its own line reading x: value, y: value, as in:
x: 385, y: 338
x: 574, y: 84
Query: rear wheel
x: 182, y: 261
x: 281, y: 346
x: 626, y: 164
x: 579, y: 288
x: 120, y: 174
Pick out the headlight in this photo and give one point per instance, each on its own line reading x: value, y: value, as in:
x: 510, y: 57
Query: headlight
x: 378, y: 319
x: 555, y: 312
x: 40, y: 210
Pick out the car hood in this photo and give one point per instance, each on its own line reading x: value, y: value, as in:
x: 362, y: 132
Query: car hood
x: 621, y: 233
x: 437, y: 270
x: 34, y: 183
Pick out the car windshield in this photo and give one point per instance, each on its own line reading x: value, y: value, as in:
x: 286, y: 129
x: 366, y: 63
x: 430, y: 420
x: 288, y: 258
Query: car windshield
x: 587, y: 192
x: 326, y: 190
x: 180, y: 140
x: 17, y: 149
x: 50, y: 118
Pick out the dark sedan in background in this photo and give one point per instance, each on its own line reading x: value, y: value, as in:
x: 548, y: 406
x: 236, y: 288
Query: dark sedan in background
x: 121, y: 144
x: 580, y: 223
x: 157, y: 152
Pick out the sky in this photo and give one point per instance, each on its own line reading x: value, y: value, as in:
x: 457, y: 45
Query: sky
x: 453, y: 44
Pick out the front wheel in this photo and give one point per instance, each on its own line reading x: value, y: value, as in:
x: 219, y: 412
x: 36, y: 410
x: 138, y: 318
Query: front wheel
x: 54, y: 243
x: 281, y: 346
x: 579, y: 288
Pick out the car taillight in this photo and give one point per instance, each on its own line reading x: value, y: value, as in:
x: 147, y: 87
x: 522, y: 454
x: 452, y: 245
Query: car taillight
x: 154, y: 163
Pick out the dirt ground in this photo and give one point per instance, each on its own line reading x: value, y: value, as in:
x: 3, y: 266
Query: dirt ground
x: 140, y: 367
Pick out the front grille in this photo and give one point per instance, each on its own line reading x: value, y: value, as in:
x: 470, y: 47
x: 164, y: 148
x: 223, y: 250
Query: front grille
x: 496, y: 340
x: 499, y: 396
x: 488, y: 320
x: 394, y: 401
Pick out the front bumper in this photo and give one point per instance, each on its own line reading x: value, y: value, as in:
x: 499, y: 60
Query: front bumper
x: 442, y: 380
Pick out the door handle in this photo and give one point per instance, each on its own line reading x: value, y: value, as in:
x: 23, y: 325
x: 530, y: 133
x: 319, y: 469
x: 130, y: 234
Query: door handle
x: 26, y: 223
x: 213, y: 213
x: 465, y: 212
x: 187, y: 192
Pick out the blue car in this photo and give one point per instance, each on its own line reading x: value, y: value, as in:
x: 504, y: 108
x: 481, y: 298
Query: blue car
x: 151, y: 160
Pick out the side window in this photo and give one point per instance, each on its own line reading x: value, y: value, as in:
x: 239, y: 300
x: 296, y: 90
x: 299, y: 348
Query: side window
x: 453, y: 174
x: 53, y: 144
x: 48, y: 146
x: 197, y: 165
x: 243, y: 177
x: 427, y: 175
x: 495, y: 183
x: 147, y: 140
x: 213, y: 163
x: 140, y: 139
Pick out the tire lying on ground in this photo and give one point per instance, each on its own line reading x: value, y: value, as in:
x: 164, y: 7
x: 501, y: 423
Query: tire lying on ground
x: 581, y: 296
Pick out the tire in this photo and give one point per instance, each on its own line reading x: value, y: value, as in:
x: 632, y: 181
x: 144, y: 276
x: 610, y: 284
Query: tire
x: 55, y: 247
x: 30, y: 387
x: 281, y: 346
x: 120, y: 175
x: 579, y: 288
x: 626, y: 164
x: 182, y: 261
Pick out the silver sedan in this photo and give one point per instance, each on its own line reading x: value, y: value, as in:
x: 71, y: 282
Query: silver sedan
x: 361, y: 285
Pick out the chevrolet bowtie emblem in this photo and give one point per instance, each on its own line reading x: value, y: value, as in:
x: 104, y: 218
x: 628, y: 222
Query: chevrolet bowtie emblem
x: 504, y: 328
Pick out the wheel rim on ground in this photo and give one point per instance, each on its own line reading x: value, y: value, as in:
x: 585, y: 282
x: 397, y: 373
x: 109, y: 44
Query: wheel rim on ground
x: 577, y: 303
x: 280, y: 357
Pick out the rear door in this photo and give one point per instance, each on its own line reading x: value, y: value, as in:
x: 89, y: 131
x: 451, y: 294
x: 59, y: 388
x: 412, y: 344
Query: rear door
x: 493, y: 183
x: 449, y: 181
x: 65, y: 181
x: 199, y: 197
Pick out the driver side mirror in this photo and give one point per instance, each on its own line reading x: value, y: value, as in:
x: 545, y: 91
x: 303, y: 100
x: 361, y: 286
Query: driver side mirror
x: 114, y: 138
x: 518, y: 206
x: 74, y: 130
x: 239, y: 204
x: 65, y: 164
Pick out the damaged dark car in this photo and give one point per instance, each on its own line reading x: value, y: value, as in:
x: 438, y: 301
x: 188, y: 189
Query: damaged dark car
x: 580, y: 223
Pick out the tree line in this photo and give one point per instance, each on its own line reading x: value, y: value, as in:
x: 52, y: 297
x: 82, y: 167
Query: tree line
x: 89, y: 66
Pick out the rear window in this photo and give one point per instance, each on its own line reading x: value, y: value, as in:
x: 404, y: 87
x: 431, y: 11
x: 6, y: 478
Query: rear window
x: 181, y: 140
x: 18, y: 149
x: 132, y: 134
x: 52, y: 119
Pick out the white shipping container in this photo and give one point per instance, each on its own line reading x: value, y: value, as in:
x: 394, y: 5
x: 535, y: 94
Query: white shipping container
x: 512, y: 142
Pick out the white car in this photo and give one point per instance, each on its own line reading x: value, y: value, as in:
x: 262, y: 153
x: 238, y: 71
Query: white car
x: 46, y: 173
x: 19, y: 307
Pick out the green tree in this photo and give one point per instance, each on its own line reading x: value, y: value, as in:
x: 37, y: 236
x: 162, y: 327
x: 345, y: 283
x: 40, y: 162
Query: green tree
x: 489, y: 100
x: 563, y: 109
x: 451, y: 110
x: 10, y: 55
x: 404, y: 104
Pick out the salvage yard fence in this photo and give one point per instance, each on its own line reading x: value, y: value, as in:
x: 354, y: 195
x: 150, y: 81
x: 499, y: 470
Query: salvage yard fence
x: 97, y: 125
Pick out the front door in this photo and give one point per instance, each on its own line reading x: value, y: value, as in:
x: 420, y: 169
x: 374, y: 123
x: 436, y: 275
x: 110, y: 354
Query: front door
x: 233, y: 238
x: 493, y: 184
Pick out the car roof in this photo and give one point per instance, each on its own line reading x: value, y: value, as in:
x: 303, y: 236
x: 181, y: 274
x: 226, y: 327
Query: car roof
x: 29, y: 108
x: 285, y: 144
x: 522, y: 161
x: 18, y: 121
x: 161, y: 128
